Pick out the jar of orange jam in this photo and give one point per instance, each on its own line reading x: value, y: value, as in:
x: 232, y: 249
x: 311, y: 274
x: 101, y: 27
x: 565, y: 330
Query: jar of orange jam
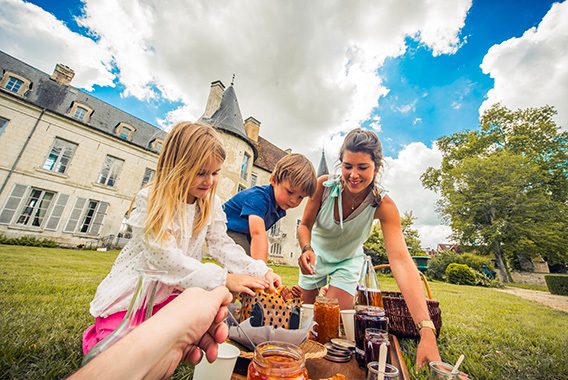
x: 277, y: 360
x: 326, y: 314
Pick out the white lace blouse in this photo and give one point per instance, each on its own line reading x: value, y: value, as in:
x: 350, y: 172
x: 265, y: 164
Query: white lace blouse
x: 180, y: 256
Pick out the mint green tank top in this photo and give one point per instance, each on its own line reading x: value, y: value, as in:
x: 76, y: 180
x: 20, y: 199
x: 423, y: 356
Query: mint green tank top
x: 336, y: 241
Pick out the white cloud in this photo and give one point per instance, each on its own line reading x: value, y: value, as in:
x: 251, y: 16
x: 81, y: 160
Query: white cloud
x: 532, y: 70
x: 405, y: 108
x: 36, y: 37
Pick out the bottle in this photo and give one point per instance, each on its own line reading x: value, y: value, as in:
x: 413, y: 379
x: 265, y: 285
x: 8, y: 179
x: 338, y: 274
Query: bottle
x: 368, y: 291
x: 139, y: 310
x: 280, y: 360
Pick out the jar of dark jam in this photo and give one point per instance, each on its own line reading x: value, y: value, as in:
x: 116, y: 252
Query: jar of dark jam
x: 367, y: 317
x: 277, y: 360
x: 327, y: 316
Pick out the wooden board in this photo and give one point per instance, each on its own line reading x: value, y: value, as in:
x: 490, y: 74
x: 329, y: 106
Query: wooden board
x: 323, y: 368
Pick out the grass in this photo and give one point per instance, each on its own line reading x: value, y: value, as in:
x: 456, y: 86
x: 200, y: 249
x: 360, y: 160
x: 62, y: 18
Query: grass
x: 45, y: 292
x: 542, y: 288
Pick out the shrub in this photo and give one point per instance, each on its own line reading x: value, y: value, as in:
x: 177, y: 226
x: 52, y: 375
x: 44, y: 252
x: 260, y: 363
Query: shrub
x: 28, y: 241
x: 438, y: 264
x: 557, y: 283
x: 460, y: 274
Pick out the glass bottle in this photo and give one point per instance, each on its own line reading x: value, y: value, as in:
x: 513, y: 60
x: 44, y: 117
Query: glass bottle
x: 280, y: 360
x: 139, y: 310
x: 327, y: 316
x: 368, y: 291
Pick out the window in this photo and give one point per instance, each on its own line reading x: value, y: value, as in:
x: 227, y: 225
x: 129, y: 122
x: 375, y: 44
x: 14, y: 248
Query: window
x: 148, y: 175
x: 86, y: 217
x: 124, y: 131
x: 3, y: 124
x: 276, y: 249
x: 89, y: 216
x: 35, y: 208
x: 240, y: 188
x: 14, y: 84
x: 253, y: 179
x: 59, y: 156
x: 275, y: 229
x: 244, y: 166
x: 110, y: 171
x: 80, y: 113
x: 156, y: 145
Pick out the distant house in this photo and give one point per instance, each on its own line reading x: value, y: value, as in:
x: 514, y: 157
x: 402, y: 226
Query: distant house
x: 448, y: 247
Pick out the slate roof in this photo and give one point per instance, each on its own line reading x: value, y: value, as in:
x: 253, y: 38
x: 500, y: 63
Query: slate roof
x: 47, y: 93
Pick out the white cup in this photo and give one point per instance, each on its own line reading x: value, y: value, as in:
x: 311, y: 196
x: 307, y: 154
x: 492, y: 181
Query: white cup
x: 220, y: 369
x: 348, y: 320
x: 306, y: 315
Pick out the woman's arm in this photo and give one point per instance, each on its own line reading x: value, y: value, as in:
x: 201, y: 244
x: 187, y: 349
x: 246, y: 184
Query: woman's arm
x: 407, y: 277
x: 307, y: 259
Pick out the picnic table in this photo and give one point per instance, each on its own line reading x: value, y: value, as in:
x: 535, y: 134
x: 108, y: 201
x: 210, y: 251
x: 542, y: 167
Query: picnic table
x: 323, y: 368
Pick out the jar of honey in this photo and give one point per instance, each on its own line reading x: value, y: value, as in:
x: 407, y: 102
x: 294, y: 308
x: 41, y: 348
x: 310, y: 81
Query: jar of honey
x: 326, y: 315
x: 277, y: 360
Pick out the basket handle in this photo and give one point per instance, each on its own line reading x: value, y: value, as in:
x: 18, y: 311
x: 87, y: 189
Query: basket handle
x: 424, y: 280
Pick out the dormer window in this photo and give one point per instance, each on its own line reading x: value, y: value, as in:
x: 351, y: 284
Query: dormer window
x: 15, y: 83
x: 156, y: 145
x: 80, y: 111
x: 124, y: 131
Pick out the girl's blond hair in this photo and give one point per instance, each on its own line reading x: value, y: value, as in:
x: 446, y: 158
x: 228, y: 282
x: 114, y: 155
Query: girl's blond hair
x: 188, y: 150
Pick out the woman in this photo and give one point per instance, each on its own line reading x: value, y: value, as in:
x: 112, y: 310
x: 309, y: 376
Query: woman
x: 336, y: 223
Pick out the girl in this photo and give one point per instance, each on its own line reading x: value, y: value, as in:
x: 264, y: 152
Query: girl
x: 172, y: 218
x: 338, y: 220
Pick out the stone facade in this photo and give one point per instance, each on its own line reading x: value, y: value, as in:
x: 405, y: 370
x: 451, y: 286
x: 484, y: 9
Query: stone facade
x: 71, y: 164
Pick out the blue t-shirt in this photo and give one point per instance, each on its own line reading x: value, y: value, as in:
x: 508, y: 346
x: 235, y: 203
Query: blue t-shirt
x: 259, y: 201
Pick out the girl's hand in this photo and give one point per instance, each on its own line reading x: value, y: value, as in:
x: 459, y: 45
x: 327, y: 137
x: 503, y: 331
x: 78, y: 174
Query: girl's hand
x: 241, y: 283
x: 273, y: 279
x: 307, y: 262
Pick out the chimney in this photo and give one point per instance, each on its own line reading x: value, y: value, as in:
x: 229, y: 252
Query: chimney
x: 62, y: 74
x: 214, y: 99
x: 252, y: 128
x: 288, y: 151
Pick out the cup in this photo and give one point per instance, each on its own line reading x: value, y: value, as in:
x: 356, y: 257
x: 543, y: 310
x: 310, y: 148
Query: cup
x: 348, y: 321
x: 220, y: 369
x: 390, y: 373
x: 441, y: 370
x: 306, y: 315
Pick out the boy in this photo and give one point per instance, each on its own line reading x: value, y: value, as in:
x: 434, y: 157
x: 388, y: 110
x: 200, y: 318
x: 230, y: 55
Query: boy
x: 251, y: 212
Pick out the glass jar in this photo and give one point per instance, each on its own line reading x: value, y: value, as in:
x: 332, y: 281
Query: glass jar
x: 326, y: 315
x: 374, y: 338
x: 441, y: 370
x: 367, y: 317
x: 390, y: 372
x: 277, y: 360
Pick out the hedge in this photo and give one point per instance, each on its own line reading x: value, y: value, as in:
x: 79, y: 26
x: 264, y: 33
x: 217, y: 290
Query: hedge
x: 460, y: 274
x: 557, y: 283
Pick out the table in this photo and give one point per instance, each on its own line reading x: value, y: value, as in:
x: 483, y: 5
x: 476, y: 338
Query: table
x: 323, y: 368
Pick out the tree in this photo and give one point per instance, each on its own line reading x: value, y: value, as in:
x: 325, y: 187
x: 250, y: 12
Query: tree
x: 504, y: 187
x: 375, y: 244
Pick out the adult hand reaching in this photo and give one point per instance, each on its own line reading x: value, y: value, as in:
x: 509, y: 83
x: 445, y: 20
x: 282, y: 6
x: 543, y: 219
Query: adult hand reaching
x: 427, y: 350
x: 307, y: 262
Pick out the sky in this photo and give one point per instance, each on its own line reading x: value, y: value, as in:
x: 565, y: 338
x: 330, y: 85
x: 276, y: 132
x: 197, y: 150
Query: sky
x: 410, y: 70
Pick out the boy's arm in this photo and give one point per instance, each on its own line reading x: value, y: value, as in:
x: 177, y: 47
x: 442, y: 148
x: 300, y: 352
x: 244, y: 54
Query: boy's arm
x: 259, y: 240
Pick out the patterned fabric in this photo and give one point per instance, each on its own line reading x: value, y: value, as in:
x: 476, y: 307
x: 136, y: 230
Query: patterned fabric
x: 180, y: 256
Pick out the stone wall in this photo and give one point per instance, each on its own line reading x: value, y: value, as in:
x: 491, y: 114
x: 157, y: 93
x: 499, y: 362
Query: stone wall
x: 529, y: 278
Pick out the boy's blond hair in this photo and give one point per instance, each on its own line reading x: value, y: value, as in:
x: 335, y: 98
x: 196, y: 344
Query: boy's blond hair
x: 188, y: 149
x: 298, y: 171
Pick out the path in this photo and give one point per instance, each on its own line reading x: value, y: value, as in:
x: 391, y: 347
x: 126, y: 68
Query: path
x: 545, y: 298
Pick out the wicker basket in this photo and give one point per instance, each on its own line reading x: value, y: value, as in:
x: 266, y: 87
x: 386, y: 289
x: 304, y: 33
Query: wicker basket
x: 401, y: 323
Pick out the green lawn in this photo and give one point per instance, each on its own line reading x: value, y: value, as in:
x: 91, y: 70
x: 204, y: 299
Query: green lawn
x: 44, y: 297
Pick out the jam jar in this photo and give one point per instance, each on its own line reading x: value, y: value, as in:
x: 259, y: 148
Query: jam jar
x: 367, y: 317
x: 277, y: 360
x: 327, y: 316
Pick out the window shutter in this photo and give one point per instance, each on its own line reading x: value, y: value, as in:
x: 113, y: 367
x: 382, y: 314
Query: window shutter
x: 53, y: 221
x: 98, y: 220
x: 75, y: 215
x: 12, y: 204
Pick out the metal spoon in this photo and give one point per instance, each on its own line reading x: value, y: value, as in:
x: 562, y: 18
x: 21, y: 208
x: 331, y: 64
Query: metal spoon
x: 243, y: 331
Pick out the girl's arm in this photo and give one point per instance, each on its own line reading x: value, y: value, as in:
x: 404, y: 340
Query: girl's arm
x: 307, y: 259
x: 407, y: 278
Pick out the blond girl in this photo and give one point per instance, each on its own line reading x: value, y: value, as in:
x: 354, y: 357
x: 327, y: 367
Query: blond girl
x: 171, y: 220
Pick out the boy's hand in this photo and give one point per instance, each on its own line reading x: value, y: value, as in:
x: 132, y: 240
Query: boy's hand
x: 239, y: 283
x: 273, y: 279
x: 307, y: 262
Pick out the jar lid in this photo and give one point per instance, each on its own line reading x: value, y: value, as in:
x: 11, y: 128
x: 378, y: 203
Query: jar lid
x: 370, y: 310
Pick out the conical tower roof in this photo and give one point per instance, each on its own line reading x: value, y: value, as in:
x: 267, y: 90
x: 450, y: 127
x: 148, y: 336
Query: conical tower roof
x: 322, y: 169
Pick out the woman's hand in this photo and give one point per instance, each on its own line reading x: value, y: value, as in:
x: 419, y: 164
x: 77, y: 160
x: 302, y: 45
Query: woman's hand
x: 273, y: 279
x: 242, y: 283
x: 427, y: 350
x: 307, y: 262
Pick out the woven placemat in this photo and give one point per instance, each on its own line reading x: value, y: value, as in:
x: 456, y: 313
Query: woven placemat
x: 311, y: 348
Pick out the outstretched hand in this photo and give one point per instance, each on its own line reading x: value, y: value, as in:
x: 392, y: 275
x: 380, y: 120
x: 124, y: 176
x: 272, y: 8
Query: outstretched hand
x: 242, y: 283
x: 307, y: 262
x: 427, y: 350
x: 273, y: 279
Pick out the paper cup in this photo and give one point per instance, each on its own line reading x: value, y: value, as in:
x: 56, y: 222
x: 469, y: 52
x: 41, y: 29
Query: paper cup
x: 220, y: 369
x: 306, y: 315
x: 348, y: 320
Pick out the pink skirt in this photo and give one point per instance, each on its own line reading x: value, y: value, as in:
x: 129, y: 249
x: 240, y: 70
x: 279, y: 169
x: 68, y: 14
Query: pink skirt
x: 105, y: 326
